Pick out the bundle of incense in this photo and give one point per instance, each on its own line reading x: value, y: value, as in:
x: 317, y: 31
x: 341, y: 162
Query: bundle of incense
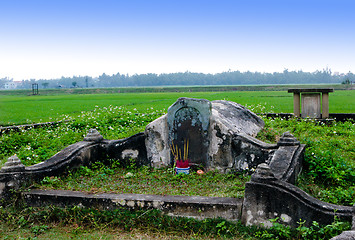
x: 176, y: 151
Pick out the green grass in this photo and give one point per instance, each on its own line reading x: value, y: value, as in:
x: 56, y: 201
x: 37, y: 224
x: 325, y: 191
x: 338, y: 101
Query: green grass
x: 146, y: 180
x: 22, y: 109
x: 54, y: 231
x: 36, y: 145
x: 328, y: 172
x: 329, y: 167
x: 160, y: 89
x: 85, y: 223
x: 39, y: 222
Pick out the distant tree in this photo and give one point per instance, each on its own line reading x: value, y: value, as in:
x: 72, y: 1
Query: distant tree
x: 192, y: 78
x: 45, y: 84
x: 346, y: 81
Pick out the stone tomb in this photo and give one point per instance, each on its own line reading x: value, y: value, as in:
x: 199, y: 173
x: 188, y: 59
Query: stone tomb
x: 221, y: 136
x: 210, y: 129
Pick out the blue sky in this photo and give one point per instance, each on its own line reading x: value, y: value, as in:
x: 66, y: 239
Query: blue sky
x: 50, y: 39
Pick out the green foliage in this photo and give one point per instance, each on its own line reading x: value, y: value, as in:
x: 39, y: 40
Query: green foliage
x: 329, y: 166
x: 36, y: 145
x: 315, y: 231
x: 50, y: 181
x: 346, y: 81
x: 38, y: 220
x: 146, y: 180
x: 37, y: 230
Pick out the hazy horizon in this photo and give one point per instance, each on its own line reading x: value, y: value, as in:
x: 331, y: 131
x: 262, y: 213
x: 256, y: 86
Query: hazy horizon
x: 50, y: 39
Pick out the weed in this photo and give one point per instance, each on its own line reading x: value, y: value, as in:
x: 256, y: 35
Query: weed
x: 37, y: 230
x: 147, y: 180
x: 40, y: 218
x: 328, y: 169
x: 315, y: 231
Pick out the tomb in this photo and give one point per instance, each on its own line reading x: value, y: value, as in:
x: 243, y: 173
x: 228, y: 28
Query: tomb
x: 214, y: 135
x: 219, y: 135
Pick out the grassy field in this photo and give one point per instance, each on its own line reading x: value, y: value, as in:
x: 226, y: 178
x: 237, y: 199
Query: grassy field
x: 22, y: 109
x: 217, y: 88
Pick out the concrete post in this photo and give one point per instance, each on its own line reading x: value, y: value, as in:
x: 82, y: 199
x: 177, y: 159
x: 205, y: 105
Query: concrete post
x: 296, y: 104
x: 325, y: 105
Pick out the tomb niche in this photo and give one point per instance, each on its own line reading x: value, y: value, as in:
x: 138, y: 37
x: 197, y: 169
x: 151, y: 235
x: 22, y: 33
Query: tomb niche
x: 188, y: 123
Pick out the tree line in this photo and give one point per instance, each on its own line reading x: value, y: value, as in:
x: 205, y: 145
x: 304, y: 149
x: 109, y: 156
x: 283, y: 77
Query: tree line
x: 190, y: 78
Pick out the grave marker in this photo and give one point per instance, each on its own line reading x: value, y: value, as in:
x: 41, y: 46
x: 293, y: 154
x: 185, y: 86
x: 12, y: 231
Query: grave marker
x: 188, y: 121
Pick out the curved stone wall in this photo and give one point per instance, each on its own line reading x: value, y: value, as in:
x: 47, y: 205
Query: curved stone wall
x: 267, y: 198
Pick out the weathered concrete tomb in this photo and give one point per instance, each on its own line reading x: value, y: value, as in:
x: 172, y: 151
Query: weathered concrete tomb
x: 218, y: 135
x: 221, y: 136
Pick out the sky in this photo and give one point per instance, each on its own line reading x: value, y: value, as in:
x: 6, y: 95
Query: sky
x: 42, y: 39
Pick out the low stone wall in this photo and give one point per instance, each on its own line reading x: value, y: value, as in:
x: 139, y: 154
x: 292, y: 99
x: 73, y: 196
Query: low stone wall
x: 267, y: 198
x: 127, y: 149
x: 14, y: 175
x: 17, y: 128
x: 284, y: 159
x: 183, y: 206
x: 341, y: 117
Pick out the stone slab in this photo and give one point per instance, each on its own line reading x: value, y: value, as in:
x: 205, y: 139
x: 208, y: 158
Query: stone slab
x: 188, y: 206
x: 346, y: 235
x: 308, y: 90
x: 311, y: 105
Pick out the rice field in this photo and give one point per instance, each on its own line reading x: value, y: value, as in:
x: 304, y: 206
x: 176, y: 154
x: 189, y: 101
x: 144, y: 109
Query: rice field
x: 23, y: 109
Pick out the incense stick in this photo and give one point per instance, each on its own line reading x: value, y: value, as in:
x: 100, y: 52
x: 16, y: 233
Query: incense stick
x: 180, y: 153
x: 187, y: 149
